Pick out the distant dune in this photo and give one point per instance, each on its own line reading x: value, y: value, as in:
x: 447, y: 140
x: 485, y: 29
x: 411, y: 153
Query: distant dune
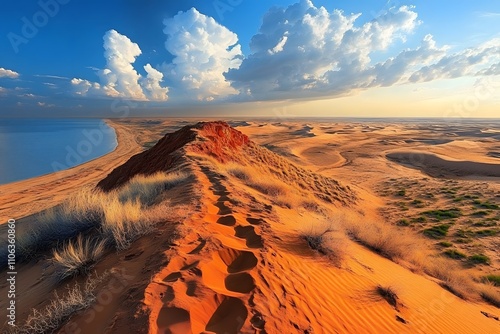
x: 436, y: 166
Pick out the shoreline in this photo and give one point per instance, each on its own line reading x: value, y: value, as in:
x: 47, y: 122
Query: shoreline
x: 22, y: 198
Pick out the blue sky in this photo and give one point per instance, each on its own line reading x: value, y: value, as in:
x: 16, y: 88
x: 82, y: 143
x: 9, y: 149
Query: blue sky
x: 83, y: 55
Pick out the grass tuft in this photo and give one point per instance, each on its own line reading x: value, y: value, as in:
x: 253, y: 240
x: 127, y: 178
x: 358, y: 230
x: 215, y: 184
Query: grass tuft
x: 389, y: 295
x: 493, y: 279
x: 454, y: 254
x: 437, y: 232
x: 479, y: 259
x: 78, y: 256
x: 60, y: 309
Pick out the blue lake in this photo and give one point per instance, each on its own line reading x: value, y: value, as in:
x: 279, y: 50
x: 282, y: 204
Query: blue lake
x: 34, y: 147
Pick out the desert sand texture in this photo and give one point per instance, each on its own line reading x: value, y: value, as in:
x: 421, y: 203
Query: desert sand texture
x: 266, y: 226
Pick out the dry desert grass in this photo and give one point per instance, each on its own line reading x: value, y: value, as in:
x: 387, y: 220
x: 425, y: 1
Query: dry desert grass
x: 77, y: 256
x: 117, y: 218
x: 60, y: 308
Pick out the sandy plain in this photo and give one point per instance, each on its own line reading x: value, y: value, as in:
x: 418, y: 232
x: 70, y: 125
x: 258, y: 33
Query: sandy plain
x: 393, y: 198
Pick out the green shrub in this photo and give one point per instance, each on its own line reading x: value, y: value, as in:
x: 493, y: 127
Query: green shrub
x: 437, y: 232
x: 403, y: 222
x: 420, y: 219
x: 493, y: 279
x: 480, y: 213
x: 486, y: 223
x: 486, y: 205
x: 418, y: 203
x: 486, y: 233
x: 479, y: 259
x: 443, y: 214
x: 445, y: 244
x: 454, y: 254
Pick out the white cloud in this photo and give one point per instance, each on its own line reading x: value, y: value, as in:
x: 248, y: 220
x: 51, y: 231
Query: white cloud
x: 4, y: 73
x: 51, y: 76
x: 2, y: 90
x: 203, y: 50
x: 119, y: 75
x: 119, y: 78
x: 300, y: 51
x: 306, y: 51
x: 482, y: 60
x: 45, y: 105
x: 151, y: 84
x: 83, y: 87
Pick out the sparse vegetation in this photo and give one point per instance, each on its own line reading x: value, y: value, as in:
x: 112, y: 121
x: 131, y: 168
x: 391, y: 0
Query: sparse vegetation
x: 403, y: 222
x: 78, y: 256
x: 322, y: 242
x: 443, y: 214
x: 401, y: 193
x: 490, y: 294
x: 486, y: 233
x: 60, y: 308
x: 389, y: 295
x: 454, y: 254
x: 420, y: 219
x: 147, y: 189
x: 480, y: 213
x: 120, y: 216
x: 384, y: 240
x: 418, y: 203
x: 486, y: 205
x: 445, y: 244
x: 493, y: 279
x: 437, y: 232
x: 479, y: 259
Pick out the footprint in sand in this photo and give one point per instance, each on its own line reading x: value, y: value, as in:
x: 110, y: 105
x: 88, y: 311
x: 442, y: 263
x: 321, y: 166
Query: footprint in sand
x: 173, y: 320
x: 241, y: 282
x: 229, y: 317
x: 227, y: 221
x: 173, y: 277
x: 202, y: 243
x: 255, y: 221
x: 253, y: 240
x: 223, y: 209
x: 236, y: 260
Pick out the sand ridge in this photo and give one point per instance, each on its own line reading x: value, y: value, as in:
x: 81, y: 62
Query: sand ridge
x: 239, y: 263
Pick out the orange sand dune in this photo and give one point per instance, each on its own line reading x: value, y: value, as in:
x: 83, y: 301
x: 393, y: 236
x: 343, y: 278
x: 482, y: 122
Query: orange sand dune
x: 237, y: 262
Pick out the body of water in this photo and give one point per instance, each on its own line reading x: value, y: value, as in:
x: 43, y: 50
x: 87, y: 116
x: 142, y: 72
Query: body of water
x: 34, y: 147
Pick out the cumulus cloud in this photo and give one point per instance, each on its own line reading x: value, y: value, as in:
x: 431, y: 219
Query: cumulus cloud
x: 300, y: 51
x: 4, y: 73
x: 482, y: 60
x: 304, y: 48
x: 151, y: 84
x: 119, y: 78
x: 306, y: 51
x: 203, y: 51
